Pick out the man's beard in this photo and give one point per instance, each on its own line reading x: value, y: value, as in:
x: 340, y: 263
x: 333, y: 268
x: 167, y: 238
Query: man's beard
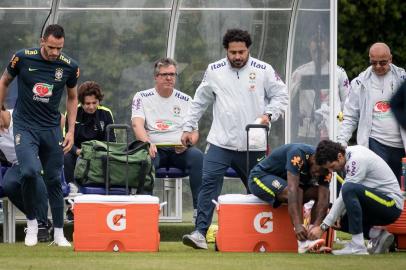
x: 237, y: 64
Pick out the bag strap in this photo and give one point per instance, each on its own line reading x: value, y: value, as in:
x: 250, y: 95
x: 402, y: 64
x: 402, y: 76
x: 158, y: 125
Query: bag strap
x: 107, y: 179
x: 141, y: 182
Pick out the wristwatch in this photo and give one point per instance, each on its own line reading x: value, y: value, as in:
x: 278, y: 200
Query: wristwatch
x: 324, y: 227
x: 269, y: 116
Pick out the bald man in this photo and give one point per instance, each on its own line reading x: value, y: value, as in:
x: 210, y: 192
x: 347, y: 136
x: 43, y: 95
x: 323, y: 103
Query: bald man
x: 368, y: 109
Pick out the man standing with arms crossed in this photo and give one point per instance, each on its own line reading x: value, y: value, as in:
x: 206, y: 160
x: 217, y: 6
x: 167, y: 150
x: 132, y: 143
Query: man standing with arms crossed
x: 241, y: 89
x: 42, y: 75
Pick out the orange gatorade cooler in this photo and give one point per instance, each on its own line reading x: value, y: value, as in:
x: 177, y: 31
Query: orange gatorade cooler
x: 399, y: 229
x: 248, y: 224
x: 116, y: 223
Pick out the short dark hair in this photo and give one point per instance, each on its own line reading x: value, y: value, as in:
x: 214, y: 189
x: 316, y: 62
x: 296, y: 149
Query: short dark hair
x: 90, y: 88
x: 236, y: 35
x: 320, y: 37
x: 55, y: 30
x: 327, y: 151
x: 163, y: 62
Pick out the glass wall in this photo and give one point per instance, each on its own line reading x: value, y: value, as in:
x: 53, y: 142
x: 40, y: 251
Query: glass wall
x: 200, y: 30
x: 116, y: 44
x: 117, y: 41
x: 21, y: 23
x: 309, y: 81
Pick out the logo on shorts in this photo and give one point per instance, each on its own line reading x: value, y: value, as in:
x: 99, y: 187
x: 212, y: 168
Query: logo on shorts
x: 276, y: 184
x: 58, y: 74
x: 263, y: 222
x: 116, y: 220
x: 17, y: 139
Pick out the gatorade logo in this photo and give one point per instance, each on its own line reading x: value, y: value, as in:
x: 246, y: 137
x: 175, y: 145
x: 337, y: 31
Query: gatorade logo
x: 263, y: 222
x: 116, y: 220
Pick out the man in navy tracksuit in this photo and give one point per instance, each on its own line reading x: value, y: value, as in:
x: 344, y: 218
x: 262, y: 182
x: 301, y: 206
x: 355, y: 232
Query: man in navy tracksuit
x: 43, y: 74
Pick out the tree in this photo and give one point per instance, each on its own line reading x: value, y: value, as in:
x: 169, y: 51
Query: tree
x: 364, y: 22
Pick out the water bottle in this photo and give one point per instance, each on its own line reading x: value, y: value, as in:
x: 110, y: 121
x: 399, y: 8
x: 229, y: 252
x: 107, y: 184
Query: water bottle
x: 403, y: 177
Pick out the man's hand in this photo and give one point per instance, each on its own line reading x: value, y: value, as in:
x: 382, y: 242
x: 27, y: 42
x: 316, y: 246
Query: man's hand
x: 152, y: 150
x: 180, y: 149
x: 78, y: 151
x: 265, y: 119
x: 189, y: 138
x: 314, y: 233
x: 301, y: 233
x: 68, y: 142
x: 2, y: 124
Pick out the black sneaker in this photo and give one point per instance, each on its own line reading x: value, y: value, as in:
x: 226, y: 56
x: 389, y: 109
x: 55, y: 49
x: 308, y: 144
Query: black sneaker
x: 44, y: 231
x: 69, y: 215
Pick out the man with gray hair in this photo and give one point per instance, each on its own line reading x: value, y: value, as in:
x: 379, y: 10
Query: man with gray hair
x: 368, y: 109
x: 158, y: 117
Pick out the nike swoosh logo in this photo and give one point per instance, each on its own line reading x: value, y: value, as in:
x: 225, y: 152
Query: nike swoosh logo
x: 60, y: 143
x: 261, y: 158
x: 32, y: 69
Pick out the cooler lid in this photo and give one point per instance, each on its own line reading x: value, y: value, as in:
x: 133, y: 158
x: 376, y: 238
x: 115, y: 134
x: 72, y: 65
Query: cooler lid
x: 93, y: 198
x: 240, y: 199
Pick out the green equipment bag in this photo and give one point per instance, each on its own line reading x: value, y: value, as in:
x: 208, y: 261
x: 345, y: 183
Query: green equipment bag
x: 92, y: 164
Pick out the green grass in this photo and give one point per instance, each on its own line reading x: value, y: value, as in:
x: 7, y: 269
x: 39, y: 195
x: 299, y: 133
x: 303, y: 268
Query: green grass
x: 173, y: 255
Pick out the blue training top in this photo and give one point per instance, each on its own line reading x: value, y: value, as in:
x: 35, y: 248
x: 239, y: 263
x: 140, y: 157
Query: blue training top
x: 40, y: 87
x: 293, y: 158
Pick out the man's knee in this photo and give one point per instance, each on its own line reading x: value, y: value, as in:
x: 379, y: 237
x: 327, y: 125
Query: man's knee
x: 53, y: 177
x: 195, y: 156
x: 11, y: 186
x: 29, y: 172
x: 349, y: 190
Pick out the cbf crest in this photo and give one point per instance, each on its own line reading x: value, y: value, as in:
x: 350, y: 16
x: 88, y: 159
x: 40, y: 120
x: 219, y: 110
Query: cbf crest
x: 176, y: 110
x: 252, y: 76
x: 58, y: 74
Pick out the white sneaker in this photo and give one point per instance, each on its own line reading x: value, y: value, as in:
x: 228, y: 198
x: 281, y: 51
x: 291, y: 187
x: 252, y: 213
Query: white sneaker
x: 195, y: 240
x: 381, y: 243
x: 352, y: 249
x: 61, y: 242
x: 31, y: 235
x: 310, y: 245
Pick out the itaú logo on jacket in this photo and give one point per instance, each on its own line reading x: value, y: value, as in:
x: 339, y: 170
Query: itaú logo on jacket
x: 116, y: 220
x: 263, y: 222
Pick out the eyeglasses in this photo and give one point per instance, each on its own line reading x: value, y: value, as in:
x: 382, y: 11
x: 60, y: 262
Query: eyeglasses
x: 165, y: 75
x: 381, y: 63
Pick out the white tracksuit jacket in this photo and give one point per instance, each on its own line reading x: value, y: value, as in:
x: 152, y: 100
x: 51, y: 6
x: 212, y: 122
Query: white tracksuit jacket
x: 239, y: 96
x: 368, y: 169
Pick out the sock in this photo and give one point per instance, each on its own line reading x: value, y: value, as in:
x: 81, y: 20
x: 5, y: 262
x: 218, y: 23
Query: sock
x: 32, y: 223
x: 358, y: 239
x: 374, y: 232
x: 58, y: 232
